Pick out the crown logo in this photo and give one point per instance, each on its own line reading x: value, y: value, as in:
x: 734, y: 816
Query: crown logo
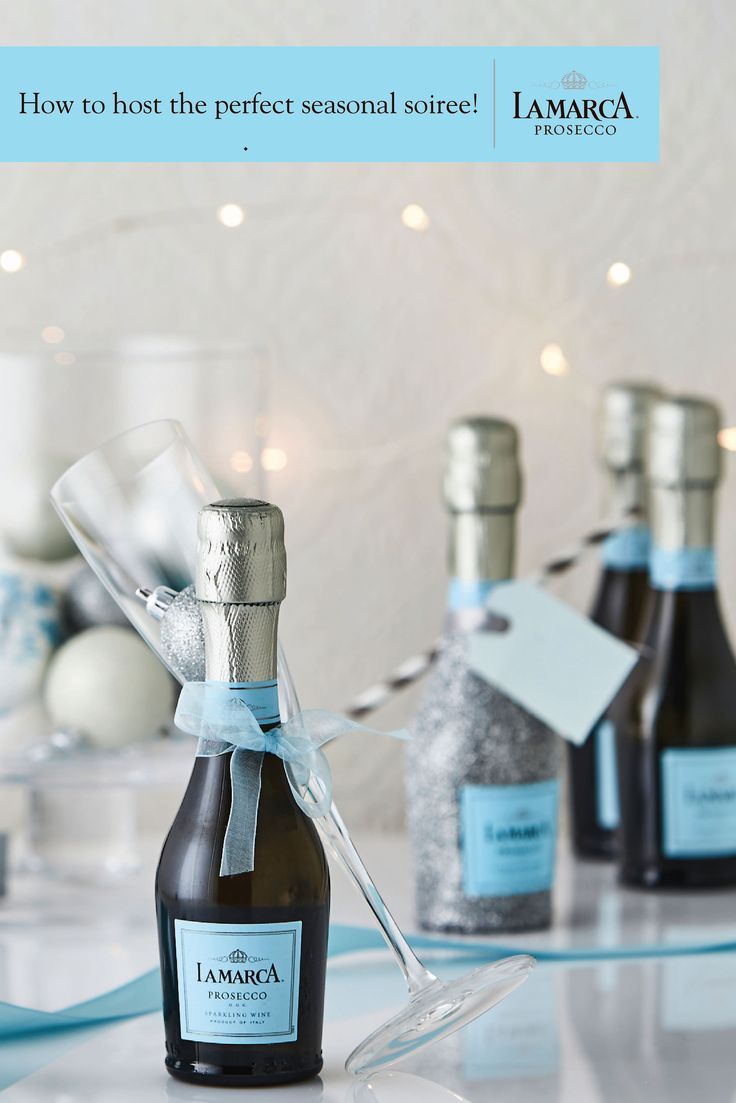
x: 574, y: 79
x: 239, y: 957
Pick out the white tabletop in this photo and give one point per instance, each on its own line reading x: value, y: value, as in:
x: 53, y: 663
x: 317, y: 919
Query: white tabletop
x: 654, y: 1029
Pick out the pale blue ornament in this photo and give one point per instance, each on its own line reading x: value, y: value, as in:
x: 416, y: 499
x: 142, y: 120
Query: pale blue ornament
x: 29, y: 633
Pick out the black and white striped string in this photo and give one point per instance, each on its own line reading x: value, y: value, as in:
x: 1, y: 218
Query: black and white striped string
x: 413, y: 669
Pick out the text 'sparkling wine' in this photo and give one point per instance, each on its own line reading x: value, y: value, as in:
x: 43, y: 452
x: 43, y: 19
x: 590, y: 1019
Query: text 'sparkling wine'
x: 676, y: 718
x: 243, y: 957
x: 619, y: 607
x: 482, y: 774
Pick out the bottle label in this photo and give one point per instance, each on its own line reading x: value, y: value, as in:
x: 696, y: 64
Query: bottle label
x: 465, y: 594
x: 606, y: 779
x: 238, y: 982
x: 262, y: 698
x: 508, y: 838
x: 627, y: 550
x: 699, y: 802
x: 683, y: 568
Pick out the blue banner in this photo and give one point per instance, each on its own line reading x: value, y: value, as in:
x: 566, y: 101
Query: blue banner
x: 314, y: 104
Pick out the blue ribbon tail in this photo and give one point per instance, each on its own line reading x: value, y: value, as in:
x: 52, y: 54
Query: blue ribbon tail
x: 223, y: 722
x: 238, y: 848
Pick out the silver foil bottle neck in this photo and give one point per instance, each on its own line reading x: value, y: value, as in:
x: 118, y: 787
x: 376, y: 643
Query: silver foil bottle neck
x: 683, y: 449
x: 482, y: 471
x: 624, y: 418
x: 241, y: 557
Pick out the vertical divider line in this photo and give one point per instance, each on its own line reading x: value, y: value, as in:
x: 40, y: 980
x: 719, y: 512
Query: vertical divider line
x: 494, y: 103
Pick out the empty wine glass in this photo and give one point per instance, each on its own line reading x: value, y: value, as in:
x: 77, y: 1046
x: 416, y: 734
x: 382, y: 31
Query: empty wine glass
x: 402, y: 1087
x: 131, y: 506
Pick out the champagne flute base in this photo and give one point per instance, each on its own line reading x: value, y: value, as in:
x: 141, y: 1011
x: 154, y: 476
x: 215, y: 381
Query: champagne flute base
x: 437, y: 1010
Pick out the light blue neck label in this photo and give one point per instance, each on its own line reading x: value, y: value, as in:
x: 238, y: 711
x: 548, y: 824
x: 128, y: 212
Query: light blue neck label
x: 627, y: 550
x: 606, y: 779
x: 238, y: 982
x: 473, y: 594
x: 508, y: 838
x: 262, y: 698
x: 683, y: 568
x: 698, y: 802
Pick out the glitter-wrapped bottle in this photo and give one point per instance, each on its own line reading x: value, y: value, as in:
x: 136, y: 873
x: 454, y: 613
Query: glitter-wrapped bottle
x: 482, y: 774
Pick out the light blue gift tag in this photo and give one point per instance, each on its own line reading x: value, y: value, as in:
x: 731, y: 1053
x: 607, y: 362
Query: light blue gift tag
x: 552, y: 661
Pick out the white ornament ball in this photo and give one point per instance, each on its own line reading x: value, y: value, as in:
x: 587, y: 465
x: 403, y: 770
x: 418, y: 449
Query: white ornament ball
x: 28, y: 521
x: 29, y: 632
x: 107, y: 685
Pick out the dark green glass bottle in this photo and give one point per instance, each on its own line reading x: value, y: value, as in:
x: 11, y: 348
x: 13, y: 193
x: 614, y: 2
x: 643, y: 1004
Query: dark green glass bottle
x: 243, y: 957
x: 620, y: 602
x: 675, y: 718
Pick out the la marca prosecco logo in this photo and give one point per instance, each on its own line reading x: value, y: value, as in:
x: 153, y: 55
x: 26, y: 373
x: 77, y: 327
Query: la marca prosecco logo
x: 582, y: 108
x: 722, y: 791
x: 242, y: 969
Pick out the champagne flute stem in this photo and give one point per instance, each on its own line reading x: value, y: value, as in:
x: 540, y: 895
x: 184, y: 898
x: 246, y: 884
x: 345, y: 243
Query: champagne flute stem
x: 337, y: 837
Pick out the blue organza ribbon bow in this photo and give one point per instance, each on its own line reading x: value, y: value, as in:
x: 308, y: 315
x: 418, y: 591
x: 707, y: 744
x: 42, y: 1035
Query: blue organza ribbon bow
x: 222, y: 722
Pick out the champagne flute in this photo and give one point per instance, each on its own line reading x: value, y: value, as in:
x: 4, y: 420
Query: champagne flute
x: 131, y: 506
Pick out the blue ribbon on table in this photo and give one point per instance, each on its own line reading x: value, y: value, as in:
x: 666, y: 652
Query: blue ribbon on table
x: 30, y: 1038
x: 222, y: 722
x: 142, y: 996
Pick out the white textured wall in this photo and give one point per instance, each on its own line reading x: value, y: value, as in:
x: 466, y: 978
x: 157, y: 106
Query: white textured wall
x: 376, y: 336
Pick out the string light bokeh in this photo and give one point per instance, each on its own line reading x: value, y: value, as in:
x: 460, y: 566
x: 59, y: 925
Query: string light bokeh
x: 231, y: 215
x: 11, y: 260
x: 618, y: 274
x: 552, y: 360
x: 242, y: 462
x: 414, y: 217
x: 727, y: 438
x: 52, y: 335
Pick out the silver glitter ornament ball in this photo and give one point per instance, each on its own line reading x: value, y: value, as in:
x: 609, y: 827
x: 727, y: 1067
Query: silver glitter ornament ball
x: 87, y: 604
x: 182, y: 637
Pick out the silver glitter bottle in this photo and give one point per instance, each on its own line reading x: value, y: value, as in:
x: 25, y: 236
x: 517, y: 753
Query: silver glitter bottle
x: 482, y: 774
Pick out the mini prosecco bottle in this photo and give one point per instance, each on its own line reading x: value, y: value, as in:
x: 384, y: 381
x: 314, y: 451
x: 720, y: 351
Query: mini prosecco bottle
x: 242, y: 957
x: 676, y: 732
x: 482, y: 774
x: 619, y: 607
